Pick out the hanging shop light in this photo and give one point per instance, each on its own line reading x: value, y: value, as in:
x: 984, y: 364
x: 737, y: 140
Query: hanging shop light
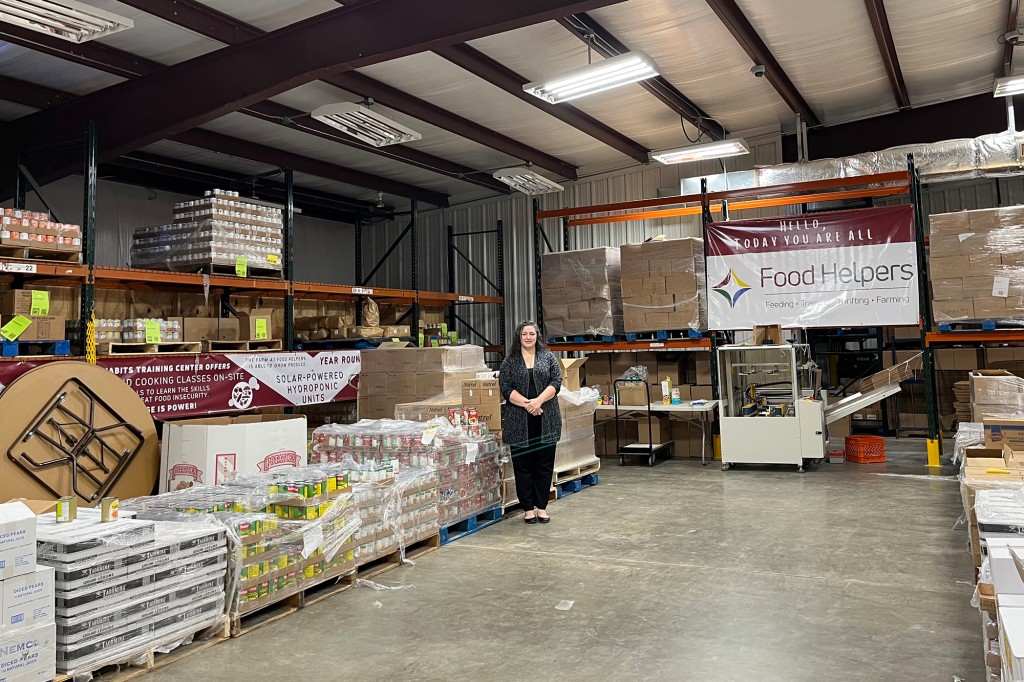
x: 364, y: 124
x: 702, y: 152
x: 522, y: 179
x: 628, y: 67
x: 1008, y: 85
x: 67, y: 19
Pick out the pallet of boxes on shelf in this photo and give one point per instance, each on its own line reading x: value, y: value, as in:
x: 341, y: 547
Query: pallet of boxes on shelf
x: 31, y: 234
x: 582, y: 293
x: 29, y: 325
x: 222, y: 233
x: 463, y: 459
x: 396, y: 372
x: 663, y: 285
x: 976, y: 267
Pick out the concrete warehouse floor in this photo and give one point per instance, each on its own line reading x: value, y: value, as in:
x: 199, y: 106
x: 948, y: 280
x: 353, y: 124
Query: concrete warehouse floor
x: 676, y: 573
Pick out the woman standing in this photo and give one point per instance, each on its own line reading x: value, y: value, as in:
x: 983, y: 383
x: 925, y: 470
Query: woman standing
x: 530, y: 378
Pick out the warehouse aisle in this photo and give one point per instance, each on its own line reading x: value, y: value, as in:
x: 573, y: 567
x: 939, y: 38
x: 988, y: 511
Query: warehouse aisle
x: 675, y: 573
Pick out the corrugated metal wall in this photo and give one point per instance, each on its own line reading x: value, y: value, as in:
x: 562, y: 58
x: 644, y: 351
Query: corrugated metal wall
x: 515, y: 212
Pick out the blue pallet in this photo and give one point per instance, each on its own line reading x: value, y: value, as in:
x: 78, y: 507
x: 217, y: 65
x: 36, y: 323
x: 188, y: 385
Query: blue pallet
x: 986, y: 325
x: 576, y: 485
x: 488, y: 517
x: 12, y: 349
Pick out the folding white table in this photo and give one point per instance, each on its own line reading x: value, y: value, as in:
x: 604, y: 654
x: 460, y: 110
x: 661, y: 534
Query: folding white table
x: 705, y: 411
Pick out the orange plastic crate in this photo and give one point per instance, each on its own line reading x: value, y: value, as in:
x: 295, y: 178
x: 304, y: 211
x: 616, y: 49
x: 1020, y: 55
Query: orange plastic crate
x: 865, y: 449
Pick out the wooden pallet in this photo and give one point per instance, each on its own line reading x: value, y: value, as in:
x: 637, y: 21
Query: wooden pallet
x: 35, y: 253
x: 154, y: 659
x: 572, y: 473
x: 478, y: 521
x: 242, y: 346
x: 336, y: 581
x: 175, y: 347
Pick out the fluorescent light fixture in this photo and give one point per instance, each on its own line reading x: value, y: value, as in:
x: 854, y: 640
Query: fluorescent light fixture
x: 364, y: 124
x: 524, y: 180
x: 1009, y: 85
x: 67, y: 19
x: 628, y: 67
x: 701, y: 152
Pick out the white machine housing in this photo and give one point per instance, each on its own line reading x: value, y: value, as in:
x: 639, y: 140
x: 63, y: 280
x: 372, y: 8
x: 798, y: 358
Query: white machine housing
x: 786, y: 376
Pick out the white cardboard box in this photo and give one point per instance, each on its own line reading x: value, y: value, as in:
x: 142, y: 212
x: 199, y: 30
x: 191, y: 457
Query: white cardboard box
x: 211, y: 450
x: 17, y: 540
x: 1005, y: 577
x: 27, y: 600
x: 29, y: 655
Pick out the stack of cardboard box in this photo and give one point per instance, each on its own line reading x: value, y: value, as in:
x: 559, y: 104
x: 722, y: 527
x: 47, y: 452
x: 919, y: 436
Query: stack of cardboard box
x: 35, y: 307
x: 582, y: 292
x: 395, y: 373
x: 484, y: 396
x: 996, y: 393
x: 28, y: 634
x: 35, y: 231
x: 663, y: 285
x: 975, y: 262
x: 576, y: 448
x: 211, y: 328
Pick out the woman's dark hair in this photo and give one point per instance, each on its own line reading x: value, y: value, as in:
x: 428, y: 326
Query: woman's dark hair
x: 516, y: 347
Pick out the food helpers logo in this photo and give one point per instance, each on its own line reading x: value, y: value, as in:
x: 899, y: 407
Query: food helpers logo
x: 732, y: 287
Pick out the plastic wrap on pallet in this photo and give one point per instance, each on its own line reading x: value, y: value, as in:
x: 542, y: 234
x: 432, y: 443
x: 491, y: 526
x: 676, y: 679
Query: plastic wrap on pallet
x: 996, y: 393
x: 976, y: 266
x: 126, y: 587
x: 431, y: 408
x: 968, y: 434
x: 216, y: 230
x: 663, y: 285
x: 31, y: 229
x: 582, y: 292
x: 1001, y: 511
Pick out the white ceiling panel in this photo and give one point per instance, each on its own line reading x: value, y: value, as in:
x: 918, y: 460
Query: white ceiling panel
x: 271, y: 15
x: 440, y: 82
x: 53, y: 72
x: 947, y: 48
x: 154, y: 38
x: 838, y: 72
x: 698, y: 55
x: 298, y: 142
x: 10, y: 111
x: 552, y: 49
x: 435, y: 140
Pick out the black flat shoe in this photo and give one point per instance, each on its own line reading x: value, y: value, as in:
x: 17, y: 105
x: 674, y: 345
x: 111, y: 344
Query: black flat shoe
x: 533, y: 520
x: 543, y: 519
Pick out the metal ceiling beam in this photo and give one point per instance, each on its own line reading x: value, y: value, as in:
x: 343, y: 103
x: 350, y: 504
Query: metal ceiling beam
x: 1011, y: 25
x: 30, y: 94
x: 498, y: 74
x: 226, y: 29
x: 887, y: 49
x: 583, y: 26
x: 243, y: 149
x: 732, y: 16
x: 40, y: 97
x: 138, y: 112
x: 114, y: 61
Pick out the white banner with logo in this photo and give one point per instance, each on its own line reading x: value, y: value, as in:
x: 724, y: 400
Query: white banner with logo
x: 843, y: 269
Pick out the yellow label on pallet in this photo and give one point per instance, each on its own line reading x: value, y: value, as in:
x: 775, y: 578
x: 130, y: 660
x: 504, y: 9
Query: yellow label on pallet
x: 152, y: 331
x: 242, y: 266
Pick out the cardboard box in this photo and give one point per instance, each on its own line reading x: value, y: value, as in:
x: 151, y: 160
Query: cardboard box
x: 1000, y: 432
x: 210, y: 450
x: 702, y: 366
x: 996, y: 387
x: 17, y: 540
x: 767, y: 335
x: 200, y: 329
x: 27, y: 600
x: 490, y: 415
x: 256, y: 324
x: 377, y: 407
x: 29, y: 655
x: 401, y: 385
x: 571, y: 372
x: 373, y: 385
x: 956, y: 359
x: 701, y: 393
x: 654, y: 430
x: 19, y: 301
x: 228, y: 329
x: 389, y: 357
x: 952, y: 311
x: 46, y: 328
x: 632, y: 394
x: 481, y: 392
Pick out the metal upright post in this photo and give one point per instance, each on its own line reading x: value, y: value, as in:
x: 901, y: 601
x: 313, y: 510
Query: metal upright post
x: 538, y: 261
x: 288, y: 257
x: 415, y: 321
x: 501, y: 283
x: 88, y: 233
x: 934, y: 441
x: 359, y: 248
x: 451, y: 276
x: 565, y: 235
x: 19, y: 187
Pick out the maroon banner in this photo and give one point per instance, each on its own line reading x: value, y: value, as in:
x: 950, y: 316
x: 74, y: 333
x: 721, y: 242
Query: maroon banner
x: 174, y: 386
x: 860, y: 227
